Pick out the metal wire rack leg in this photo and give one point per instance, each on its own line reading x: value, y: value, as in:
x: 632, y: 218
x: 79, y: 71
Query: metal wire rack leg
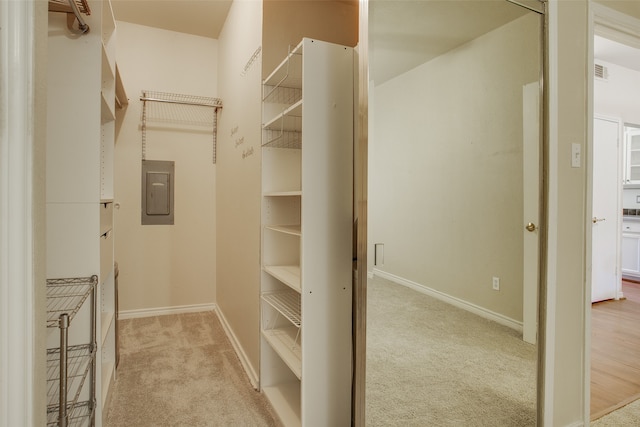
x: 64, y: 340
x: 94, y: 350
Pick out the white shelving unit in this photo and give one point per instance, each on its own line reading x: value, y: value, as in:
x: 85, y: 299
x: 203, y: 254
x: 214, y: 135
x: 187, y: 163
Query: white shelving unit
x: 107, y: 303
x: 83, y: 84
x: 113, y: 97
x: 307, y: 186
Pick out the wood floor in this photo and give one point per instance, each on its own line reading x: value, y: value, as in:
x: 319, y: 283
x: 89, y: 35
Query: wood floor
x: 615, y: 351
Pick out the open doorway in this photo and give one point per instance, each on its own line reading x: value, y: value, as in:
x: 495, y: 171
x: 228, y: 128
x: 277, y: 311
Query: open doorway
x: 615, y: 273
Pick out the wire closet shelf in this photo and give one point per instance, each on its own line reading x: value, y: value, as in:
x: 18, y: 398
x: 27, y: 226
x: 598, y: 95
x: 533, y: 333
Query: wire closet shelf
x: 69, y: 366
x: 67, y: 296
x: 284, y: 87
x: 179, y: 109
x: 78, y: 365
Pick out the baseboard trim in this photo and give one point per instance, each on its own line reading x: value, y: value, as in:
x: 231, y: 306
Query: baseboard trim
x: 457, y: 302
x: 162, y: 311
x: 244, y: 360
x: 370, y: 274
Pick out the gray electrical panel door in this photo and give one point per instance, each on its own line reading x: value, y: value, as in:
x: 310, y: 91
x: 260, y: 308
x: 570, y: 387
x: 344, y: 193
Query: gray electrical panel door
x: 157, y: 192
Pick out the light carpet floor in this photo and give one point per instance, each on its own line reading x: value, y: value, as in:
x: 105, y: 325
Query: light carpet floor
x: 431, y: 364
x: 181, y: 370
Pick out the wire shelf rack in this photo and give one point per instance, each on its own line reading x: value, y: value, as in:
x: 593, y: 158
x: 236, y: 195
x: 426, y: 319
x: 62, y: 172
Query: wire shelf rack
x: 66, y: 296
x: 178, y: 109
x: 80, y: 415
x: 163, y: 107
x: 282, y: 139
x: 78, y: 363
x: 287, y: 303
x: 282, y: 95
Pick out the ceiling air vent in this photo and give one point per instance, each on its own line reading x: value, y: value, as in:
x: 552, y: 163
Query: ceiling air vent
x: 601, y: 72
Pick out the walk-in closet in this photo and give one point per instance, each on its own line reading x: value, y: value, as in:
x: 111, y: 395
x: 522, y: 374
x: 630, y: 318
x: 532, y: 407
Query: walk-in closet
x: 201, y: 173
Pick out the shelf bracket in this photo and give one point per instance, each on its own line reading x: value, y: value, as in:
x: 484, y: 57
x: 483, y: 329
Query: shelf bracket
x: 83, y: 28
x: 73, y: 12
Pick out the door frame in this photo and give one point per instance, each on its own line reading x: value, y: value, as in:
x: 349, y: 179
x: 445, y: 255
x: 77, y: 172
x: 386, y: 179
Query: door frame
x: 612, y: 24
x: 23, y: 36
x: 360, y: 184
x: 531, y: 93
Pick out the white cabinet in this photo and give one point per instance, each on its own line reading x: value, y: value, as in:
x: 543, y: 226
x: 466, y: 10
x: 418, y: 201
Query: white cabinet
x: 307, y: 215
x: 631, y: 254
x: 82, y: 88
x: 632, y: 154
x: 630, y: 262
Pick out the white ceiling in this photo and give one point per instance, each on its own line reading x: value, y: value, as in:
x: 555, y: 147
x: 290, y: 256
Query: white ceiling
x: 199, y: 17
x: 616, y: 53
x: 403, y: 33
x: 407, y: 33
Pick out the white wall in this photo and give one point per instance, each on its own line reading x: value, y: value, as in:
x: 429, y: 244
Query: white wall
x: 165, y: 265
x: 286, y: 22
x: 446, y: 189
x: 239, y: 161
x: 238, y: 181
x: 619, y: 97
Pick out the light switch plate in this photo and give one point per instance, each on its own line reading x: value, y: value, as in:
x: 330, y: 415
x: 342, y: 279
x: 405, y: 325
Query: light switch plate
x: 576, y: 155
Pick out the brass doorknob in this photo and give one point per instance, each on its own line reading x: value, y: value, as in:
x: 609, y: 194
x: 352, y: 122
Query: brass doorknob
x: 531, y: 227
x: 594, y: 219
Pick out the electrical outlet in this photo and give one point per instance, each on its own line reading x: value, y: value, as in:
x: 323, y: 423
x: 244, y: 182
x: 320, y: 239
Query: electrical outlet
x: 496, y: 283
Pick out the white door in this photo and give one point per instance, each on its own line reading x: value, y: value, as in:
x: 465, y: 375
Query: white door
x: 606, y: 214
x: 531, y: 209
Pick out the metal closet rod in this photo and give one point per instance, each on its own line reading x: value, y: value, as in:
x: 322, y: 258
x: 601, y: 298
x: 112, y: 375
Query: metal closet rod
x: 200, y: 104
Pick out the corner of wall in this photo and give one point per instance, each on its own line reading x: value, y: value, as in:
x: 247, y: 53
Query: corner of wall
x: 238, y: 181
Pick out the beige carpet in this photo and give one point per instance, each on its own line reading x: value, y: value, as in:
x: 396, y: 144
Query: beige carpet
x: 431, y: 364
x: 181, y: 370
